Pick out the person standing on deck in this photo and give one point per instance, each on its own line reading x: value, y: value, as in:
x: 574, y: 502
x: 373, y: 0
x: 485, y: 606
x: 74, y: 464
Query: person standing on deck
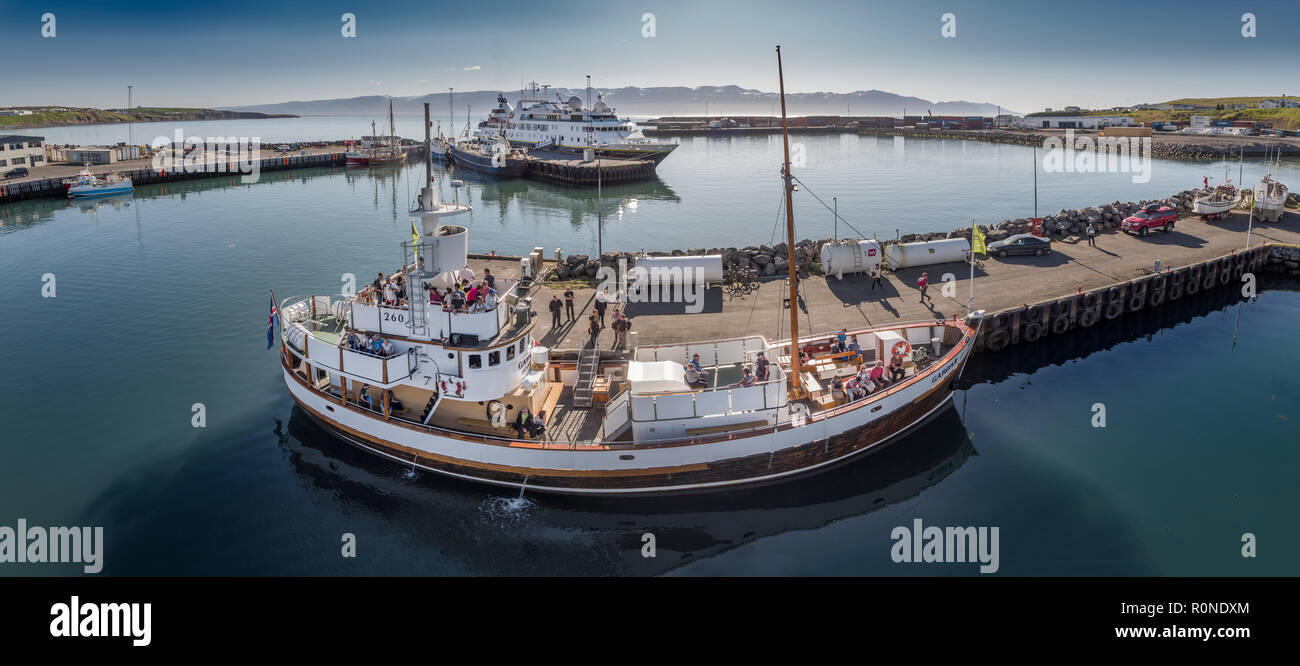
x: 923, y: 283
x: 594, y: 327
x: 875, y: 279
x: 555, y: 311
x: 1092, y: 235
x: 602, y: 301
x: 761, y: 363
x: 568, y: 303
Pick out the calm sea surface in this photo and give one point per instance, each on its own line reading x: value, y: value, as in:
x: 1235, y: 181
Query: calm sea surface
x: 162, y: 303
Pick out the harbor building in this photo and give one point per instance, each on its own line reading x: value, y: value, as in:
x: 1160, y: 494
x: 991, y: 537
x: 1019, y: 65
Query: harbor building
x: 19, y: 150
x: 1078, y: 122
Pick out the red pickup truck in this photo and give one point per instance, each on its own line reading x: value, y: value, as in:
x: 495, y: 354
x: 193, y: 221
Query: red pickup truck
x: 1152, y: 217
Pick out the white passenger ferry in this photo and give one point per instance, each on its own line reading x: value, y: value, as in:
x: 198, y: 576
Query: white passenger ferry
x: 567, y: 126
x: 444, y: 393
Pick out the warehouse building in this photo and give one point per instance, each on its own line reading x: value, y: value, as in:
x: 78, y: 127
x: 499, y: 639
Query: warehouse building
x: 19, y: 150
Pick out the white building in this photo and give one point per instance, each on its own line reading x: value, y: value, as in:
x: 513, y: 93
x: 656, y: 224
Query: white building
x: 15, y: 112
x: 1077, y: 122
x: 18, y: 150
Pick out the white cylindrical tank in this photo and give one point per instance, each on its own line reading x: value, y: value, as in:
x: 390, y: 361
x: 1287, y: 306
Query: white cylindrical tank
x: 848, y: 257
x: 540, y: 356
x: 448, y: 248
x: 908, y: 255
x: 675, y: 268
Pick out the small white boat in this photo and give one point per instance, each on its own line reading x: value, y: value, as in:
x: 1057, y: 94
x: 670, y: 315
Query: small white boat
x: 1270, y: 195
x: 1270, y: 199
x: 1218, y: 201
x: 89, y: 186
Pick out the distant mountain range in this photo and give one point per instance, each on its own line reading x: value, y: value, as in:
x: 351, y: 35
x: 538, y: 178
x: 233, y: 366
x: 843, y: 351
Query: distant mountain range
x: 662, y: 101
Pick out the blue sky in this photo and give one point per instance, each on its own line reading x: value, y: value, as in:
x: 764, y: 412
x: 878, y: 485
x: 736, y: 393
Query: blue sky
x: 1024, y: 55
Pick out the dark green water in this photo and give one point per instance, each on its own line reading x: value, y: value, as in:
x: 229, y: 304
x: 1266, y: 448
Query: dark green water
x: 161, y: 303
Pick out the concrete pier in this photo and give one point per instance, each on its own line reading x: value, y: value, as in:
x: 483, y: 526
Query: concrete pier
x: 1062, y: 285
x: 569, y: 169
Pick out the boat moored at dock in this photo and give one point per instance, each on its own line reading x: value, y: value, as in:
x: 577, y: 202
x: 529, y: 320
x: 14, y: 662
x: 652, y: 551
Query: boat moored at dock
x: 89, y: 185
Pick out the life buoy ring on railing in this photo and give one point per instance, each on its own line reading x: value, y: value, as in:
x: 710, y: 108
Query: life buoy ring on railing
x: 496, y: 414
x: 901, y: 348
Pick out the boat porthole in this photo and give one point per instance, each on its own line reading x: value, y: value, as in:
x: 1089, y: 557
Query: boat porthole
x: 876, y: 408
x: 329, y: 408
x: 626, y: 457
x: 450, y: 355
x: 480, y: 402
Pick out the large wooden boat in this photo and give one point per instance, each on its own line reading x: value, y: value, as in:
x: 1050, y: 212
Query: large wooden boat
x: 445, y: 396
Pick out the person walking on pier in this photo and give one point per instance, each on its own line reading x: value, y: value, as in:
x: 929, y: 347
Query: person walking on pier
x: 1092, y: 235
x: 555, y: 311
x: 568, y: 302
x: 923, y: 283
x: 875, y: 279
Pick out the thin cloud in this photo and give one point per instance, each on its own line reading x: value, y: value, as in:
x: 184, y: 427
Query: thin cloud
x: 473, y: 68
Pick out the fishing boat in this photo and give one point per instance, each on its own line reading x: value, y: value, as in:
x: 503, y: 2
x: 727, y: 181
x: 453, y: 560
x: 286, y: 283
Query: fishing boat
x: 1270, y: 199
x: 445, y: 397
x: 84, y: 173
x: 491, y: 157
x: 88, y: 185
x: 379, y: 153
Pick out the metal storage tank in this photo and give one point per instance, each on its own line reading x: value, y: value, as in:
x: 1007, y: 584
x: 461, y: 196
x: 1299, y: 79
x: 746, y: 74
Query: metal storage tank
x: 926, y: 253
x: 854, y: 256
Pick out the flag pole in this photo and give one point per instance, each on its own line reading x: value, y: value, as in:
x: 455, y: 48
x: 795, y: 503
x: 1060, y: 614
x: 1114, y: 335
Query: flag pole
x: 972, y: 266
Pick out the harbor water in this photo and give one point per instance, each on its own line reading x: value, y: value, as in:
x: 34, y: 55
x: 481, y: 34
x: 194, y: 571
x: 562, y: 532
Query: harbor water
x: 160, y: 313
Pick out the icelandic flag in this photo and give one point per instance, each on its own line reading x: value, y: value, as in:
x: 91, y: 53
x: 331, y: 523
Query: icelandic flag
x: 272, y: 323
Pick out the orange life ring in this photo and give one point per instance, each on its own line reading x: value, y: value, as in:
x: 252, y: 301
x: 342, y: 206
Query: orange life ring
x: 901, y: 348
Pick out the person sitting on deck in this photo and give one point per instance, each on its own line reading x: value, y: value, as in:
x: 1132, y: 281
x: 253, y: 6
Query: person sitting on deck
x: 877, y: 375
x: 376, y: 345
x: 695, y: 363
x: 435, y: 298
x: 471, y: 295
x: 837, y: 391
x: 390, y: 294
x: 386, y: 348
x: 761, y: 364
x: 857, y: 351
x: 537, y: 425
x: 837, y: 346
x: 457, y: 301
x: 522, y: 420
x: 843, y: 338
x: 896, y: 369
x: 490, y: 299
x: 854, y: 388
x: 747, y: 379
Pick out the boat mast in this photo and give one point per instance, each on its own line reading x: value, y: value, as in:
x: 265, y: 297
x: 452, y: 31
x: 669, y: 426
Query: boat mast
x: 795, y: 370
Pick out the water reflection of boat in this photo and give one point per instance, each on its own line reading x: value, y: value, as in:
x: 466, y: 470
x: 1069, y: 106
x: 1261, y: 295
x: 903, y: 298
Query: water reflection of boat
x: 117, y: 201
x: 592, y: 536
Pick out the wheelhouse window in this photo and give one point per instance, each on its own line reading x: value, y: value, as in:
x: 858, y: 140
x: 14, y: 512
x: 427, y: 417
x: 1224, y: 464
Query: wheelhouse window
x: 475, y: 361
x: 510, y: 352
x: 494, y: 358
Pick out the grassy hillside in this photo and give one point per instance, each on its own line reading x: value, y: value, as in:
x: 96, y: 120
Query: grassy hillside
x: 45, y: 117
